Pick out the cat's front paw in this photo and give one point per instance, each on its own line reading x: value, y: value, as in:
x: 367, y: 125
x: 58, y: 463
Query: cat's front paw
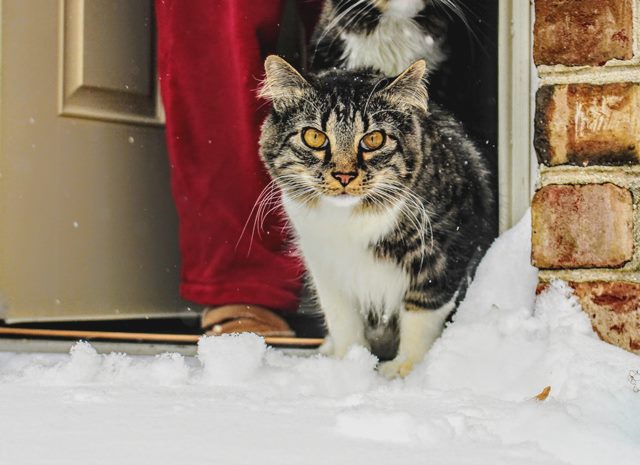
x: 327, y: 347
x: 331, y: 349
x: 398, y: 367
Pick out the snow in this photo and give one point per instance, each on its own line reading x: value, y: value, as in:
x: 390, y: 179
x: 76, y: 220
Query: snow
x: 239, y: 402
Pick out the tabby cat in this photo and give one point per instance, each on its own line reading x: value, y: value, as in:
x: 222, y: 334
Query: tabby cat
x: 388, y: 199
x: 386, y: 35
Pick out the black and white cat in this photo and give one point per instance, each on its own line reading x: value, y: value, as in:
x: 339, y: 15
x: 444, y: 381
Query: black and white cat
x: 385, y: 35
x: 389, y: 200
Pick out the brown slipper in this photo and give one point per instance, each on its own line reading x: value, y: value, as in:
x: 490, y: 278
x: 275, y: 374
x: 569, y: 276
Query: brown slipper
x: 229, y: 319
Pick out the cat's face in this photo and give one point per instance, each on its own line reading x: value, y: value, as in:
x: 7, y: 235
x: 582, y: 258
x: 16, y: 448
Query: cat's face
x: 343, y: 136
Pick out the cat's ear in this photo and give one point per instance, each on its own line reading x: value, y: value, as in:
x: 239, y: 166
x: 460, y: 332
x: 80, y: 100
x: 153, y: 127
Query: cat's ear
x: 283, y: 85
x: 409, y: 88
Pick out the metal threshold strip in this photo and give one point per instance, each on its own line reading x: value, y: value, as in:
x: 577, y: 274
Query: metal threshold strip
x: 144, y: 337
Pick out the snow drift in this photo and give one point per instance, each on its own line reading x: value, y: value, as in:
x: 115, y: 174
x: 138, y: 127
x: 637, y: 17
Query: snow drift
x: 470, y: 402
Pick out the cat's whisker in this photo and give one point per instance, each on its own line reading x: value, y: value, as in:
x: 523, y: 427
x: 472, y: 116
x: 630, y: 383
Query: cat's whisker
x: 299, y: 187
x: 405, y: 113
x: 452, y: 6
x: 409, y: 214
x: 462, y: 12
x: 373, y: 91
x: 264, y: 192
x: 411, y: 200
x: 415, y: 219
x: 358, y: 15
x: 336, y: 21
x: 352, y: 22
x: 270, y: 193
x: 301, y: 194
x: 333, y: 24
x: 262, y: 213
x: 259, y: 219
x: 419, y: 203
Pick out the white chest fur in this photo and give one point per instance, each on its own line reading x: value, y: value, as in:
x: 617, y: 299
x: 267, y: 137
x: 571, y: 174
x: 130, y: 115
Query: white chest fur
x: 335, y: 245
x: 395, y: 44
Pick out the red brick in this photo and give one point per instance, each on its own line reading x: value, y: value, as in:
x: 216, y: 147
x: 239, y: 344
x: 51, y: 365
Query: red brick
x: 582, y: 32
x: 614, y: 310
x: 584, y: 124
x: 589, y: 226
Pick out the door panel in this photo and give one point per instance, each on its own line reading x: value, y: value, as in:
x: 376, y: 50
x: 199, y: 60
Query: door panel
x: 108, y: 71
x: 87, y: 223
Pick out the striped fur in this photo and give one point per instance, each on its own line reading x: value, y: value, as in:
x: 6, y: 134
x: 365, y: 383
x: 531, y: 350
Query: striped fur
x: 403, y: 237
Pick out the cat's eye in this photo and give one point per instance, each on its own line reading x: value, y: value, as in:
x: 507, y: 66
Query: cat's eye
x: 372, y: 141
x: 314, y: 139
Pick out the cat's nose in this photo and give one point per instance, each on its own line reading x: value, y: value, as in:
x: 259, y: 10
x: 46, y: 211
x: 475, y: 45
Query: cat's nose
x: 344, y: 178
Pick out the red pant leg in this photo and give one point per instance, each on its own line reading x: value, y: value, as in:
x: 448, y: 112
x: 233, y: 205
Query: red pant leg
x: 210, y: 55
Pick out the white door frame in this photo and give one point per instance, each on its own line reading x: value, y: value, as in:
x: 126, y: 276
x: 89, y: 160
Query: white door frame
x: 516, y: 85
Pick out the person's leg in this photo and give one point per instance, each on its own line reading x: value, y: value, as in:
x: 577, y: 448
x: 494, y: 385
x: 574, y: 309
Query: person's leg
x: 210, y: 56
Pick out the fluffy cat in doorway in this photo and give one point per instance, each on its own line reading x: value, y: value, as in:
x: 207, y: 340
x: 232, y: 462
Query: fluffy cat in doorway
x: 389, y: 202
x: 385, y: 35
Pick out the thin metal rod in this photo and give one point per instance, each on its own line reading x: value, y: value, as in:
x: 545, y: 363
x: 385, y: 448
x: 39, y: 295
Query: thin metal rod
x: 146, y: 337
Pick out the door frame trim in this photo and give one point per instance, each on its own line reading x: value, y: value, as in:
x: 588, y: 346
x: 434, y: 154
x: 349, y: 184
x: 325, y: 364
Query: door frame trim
x: 516, y: 164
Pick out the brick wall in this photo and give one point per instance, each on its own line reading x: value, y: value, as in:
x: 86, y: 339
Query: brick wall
x: 586, y: 211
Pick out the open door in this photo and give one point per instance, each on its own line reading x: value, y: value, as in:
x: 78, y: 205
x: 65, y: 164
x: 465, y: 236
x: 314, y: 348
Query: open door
x: 87, y: 224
